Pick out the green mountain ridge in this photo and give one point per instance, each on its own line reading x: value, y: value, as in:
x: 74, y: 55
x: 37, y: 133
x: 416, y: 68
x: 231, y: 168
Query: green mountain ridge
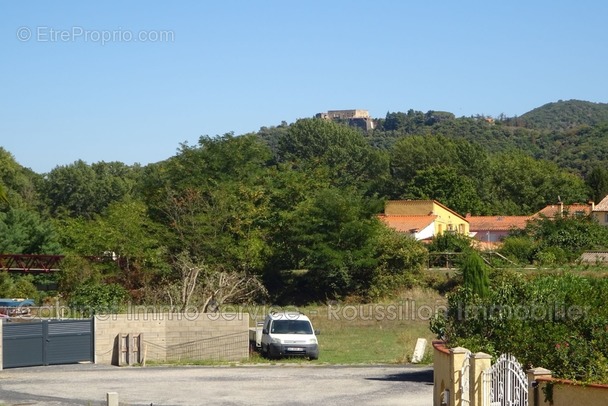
x: 563, y: 115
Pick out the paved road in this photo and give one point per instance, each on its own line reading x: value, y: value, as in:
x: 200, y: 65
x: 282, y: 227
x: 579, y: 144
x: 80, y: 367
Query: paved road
x: 248, y: 385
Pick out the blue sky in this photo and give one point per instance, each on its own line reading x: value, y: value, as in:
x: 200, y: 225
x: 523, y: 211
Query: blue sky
x: 78, y: 82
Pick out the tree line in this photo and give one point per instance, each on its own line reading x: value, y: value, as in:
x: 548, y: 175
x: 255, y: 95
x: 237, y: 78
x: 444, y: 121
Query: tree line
x: 287, y: 214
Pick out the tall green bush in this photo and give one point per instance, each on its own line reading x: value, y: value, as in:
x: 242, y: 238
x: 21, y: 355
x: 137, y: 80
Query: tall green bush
x: 559, y: 322
x: 475, y: 273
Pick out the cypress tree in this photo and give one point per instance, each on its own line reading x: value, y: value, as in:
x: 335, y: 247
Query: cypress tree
x: 475, y: 273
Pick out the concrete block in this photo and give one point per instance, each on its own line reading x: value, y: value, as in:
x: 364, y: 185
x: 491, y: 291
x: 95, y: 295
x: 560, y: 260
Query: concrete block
x: 112, y: 399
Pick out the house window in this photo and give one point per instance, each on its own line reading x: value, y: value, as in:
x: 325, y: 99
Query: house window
x: 605, y: 217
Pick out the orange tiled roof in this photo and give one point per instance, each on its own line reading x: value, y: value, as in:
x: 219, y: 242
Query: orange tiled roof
x: 553, y: 210
x: 407, y: 224
x: 496, y: 223
x: 602, y: 206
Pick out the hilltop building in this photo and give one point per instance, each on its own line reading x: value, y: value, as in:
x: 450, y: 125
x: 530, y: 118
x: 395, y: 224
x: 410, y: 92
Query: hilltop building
x: 356, y: 118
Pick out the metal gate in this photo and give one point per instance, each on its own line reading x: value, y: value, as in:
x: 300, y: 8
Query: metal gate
x: 505, y: 383
x: 47, y: 342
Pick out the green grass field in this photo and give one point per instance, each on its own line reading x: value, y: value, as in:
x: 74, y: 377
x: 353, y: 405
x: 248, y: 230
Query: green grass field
x: 371, y: 333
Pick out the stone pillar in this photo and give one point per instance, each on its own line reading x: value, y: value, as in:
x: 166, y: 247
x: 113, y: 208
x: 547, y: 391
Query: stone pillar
x: 533, y: 374
x: 479, y: 362
x: 457, y: 356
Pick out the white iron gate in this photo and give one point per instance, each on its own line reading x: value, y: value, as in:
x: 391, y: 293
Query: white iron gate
x: 505, y: 383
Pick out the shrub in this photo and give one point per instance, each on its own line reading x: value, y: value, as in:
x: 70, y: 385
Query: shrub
x: 559, y: 322
x: 518, y: 249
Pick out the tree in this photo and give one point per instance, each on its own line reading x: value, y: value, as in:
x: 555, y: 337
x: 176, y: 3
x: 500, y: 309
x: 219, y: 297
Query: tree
x: 454, y: 172
x: 399, y: 263
x: 23, y: 231
x: 475, y: 273
x: 222, y: 226
x: 18, y: 286
x: 210, y: 287
x: 523, y: 185
x: 3, y: 195
x: 571, y: 234
x: 350, y: 160
x: 443, y: 184
x: 126, y: 236
x: 597, y: 181
x: 215, y: 160
x: 82, y: 190
x: 329, y: 235
x: 19, y: 184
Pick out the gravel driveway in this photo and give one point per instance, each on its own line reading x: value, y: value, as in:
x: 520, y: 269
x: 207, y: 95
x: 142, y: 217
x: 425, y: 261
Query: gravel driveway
x: 242, y: 385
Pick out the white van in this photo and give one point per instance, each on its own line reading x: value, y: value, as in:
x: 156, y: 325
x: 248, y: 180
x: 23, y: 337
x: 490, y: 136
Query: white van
x: 289, y: 334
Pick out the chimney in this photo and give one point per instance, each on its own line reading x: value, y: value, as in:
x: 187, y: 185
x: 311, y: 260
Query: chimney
x: 592, y: 204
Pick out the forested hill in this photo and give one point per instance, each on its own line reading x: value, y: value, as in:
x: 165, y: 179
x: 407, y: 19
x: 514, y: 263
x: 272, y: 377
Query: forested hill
x: 564, y: 115
x: 302, y: 196
x: 573, y: 134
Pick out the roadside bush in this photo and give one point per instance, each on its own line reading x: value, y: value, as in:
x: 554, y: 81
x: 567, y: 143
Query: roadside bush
x: 399, y: 263
x: 551, y: 256
x: 518, y: 249
x: 92, y: 298
x: 559, y: 322
x: 18, y: 286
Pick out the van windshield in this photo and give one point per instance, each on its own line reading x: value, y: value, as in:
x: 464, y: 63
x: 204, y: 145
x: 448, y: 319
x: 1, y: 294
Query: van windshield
x: 291, y: 327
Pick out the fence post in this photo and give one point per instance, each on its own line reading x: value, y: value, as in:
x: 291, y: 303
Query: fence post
x: 479, y: 363
x: 457, y: 356
x: 533, y: 374
x: 1, y: 344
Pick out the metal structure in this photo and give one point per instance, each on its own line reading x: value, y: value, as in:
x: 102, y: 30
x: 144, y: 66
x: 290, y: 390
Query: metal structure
x: 41, y: 263
x: 30, y: 263
x: 47, y: 342
x: 505, y: 383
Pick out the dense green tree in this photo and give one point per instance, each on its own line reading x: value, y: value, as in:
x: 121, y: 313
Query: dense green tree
x: 94, y: 298
x: 399, y: 263
x: 330, y: 235
x: 474, y: 273
x: 82, y: 190
x: 19, y: 184
x: 597, y: 180
x: 557, y: 321
x: 3, y: 195
x: 23, y: 231
x: 214, y: 160
x: 126, y: 238
x: 221, y: 227
x: 571, y: 234
x: 18, y: 286
x: 445, y: 185
x: 523, y: 185
x: 412, y: 154
x: 351, y: 161
x: 407, y: 123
